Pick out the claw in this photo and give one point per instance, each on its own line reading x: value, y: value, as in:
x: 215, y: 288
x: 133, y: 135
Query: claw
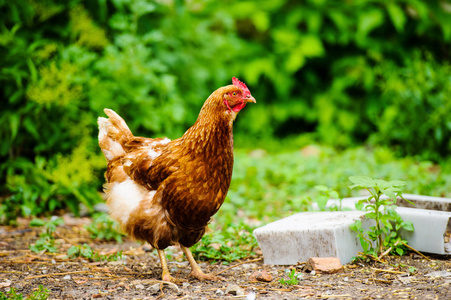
x: 196, y: 271
x: 202, y: 276
x: 169, y: 278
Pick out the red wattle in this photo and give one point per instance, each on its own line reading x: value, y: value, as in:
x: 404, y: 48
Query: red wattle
x: 239, y: 107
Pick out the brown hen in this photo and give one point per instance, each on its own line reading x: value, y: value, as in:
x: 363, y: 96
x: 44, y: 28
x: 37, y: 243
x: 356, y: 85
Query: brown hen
x: 165, y: 192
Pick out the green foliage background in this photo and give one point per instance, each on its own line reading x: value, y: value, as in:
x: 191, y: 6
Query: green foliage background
x: 332, y: 72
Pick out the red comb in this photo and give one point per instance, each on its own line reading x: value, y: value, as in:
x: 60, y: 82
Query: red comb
x: 236, y: 82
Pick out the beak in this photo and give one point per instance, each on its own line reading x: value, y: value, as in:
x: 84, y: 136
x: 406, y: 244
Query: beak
x: 249, y: 98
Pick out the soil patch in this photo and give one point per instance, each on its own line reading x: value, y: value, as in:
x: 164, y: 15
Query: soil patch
x: 137, y: 275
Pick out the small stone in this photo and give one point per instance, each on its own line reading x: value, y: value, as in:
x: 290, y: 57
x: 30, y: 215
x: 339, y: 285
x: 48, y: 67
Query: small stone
x: 327, y: 265
x: 116, y: 263
x: 346, y: 279
x: 439, y: 274
x: 234, y: 289
x: 262, y: 275
x: 18, y: 287
x: 249, y: 266
x: 139, y: 286
x: 219, y: 293
x: 405, y: 279
x: 5, y: 284
x: 154, y: 289
x: 185, y: 285
x: 67, y: 277
x: 448, y: 248
x: 175, y: 289
x: 147, y: 248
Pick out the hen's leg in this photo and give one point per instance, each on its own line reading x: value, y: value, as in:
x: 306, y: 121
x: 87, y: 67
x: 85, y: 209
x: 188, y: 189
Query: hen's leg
x: 196, y: 271
x: 164, y: 265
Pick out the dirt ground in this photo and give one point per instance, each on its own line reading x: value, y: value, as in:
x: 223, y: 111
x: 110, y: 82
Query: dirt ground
x: 137, y: 275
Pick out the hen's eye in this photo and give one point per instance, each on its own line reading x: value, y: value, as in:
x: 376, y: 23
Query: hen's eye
x: 234, y: 94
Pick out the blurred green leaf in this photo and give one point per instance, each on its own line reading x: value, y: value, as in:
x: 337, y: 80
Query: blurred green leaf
x: 37, y: 223
x: 397, y: 16
x: 368, y: 21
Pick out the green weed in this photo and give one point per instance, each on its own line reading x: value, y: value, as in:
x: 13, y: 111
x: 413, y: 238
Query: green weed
x: 46, y: 240
x: 326, y: 193
x: 385, y: 232
x: 275, y: 185
x: 104, y: 228
x: 293, y: 278
x: 85, y: 251
x: 41, y: 294
x: 412, y: 270
x: 228, y: 244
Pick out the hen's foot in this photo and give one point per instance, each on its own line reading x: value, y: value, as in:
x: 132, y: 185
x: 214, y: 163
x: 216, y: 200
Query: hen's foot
x: 168, y: 277
x: 202, y: 276
x: 196, y: 271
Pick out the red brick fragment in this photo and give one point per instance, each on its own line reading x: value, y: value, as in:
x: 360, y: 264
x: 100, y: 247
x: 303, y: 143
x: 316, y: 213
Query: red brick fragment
x: 262, y: 275
x: 327, y: 265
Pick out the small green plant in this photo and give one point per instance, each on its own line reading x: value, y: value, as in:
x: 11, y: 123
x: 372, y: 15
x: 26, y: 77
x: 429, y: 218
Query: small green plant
x: 232, y: 243
x: 385, y: 232
x: 41, y: 294
x: 86, y: 251
x: 293, y: 278
x: 46, y: 240
x: 412, y: 270
x: 326, y: 193
x: 104, y: 228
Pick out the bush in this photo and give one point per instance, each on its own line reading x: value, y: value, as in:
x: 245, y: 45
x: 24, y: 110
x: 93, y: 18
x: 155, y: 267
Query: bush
x: 417, y: 105
x: 65, y: 62
x: 342, y: 73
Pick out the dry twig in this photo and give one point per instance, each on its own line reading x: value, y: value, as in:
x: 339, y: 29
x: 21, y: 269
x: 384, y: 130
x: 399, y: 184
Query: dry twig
x: 387, y: 271
x: 58, y: 274
x: 65, y: 239
x: 383, y: 280
x: 24, y: 262
x: 370, y: 256
x: 238, y: 264
x: 389, y: 249
x: 416, y: 251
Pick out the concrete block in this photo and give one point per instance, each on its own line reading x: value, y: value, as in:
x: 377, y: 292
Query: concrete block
x: 432, y: 229
x: 420, y: 201
x: 326, y: 234
x: 311, y: 234
x: 425, y: 202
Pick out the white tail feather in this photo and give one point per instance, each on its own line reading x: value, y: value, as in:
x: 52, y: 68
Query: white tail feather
x: 110, y: 148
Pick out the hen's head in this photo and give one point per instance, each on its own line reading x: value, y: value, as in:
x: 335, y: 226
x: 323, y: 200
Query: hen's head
x: 236, y: 97
x: 230, y: 99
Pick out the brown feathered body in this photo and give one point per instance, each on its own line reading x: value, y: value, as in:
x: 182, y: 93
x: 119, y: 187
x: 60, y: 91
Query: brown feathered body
x: 165, y: 192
